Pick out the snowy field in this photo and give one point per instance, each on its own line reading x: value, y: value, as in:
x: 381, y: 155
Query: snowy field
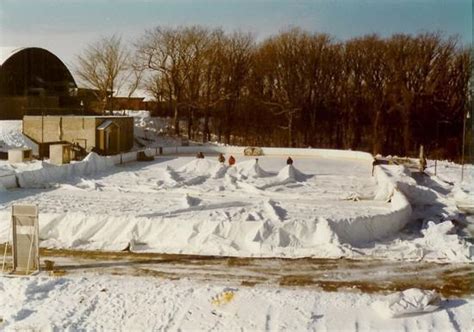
x: 130, y: 303
x: 319, y: 207
x: 177, y: 204
x: 200, y: 206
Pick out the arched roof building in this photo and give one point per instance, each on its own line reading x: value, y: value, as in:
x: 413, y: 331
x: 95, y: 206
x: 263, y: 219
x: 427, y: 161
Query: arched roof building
x: 34, y: 81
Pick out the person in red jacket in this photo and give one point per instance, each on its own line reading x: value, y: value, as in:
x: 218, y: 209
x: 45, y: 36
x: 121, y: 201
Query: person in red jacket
x: 231, y: 160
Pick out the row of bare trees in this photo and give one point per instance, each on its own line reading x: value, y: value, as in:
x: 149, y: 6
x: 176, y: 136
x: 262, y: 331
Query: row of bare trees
x: 384, y: 95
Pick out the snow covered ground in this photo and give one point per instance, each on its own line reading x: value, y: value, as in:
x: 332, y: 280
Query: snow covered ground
x: 321, y: 207
x: 448, y: 178
x: 131, y: 303
x: 178, y: 204
x: 199, y: 206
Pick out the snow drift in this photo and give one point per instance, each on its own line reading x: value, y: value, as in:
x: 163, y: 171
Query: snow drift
x: 265, y: 230
x: 50, y: 174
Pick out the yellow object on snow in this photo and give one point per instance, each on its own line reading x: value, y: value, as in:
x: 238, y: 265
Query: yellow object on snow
x: 223, y: 298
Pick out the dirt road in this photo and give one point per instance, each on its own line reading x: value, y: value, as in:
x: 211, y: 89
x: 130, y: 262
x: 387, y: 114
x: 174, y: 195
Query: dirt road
x: 327, y: 274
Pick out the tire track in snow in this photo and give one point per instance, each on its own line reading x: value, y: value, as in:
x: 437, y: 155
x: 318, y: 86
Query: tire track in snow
x: 180, y: 314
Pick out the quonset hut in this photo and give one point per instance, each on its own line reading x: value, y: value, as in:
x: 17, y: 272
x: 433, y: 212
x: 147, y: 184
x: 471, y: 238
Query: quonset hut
x: 34, y: 81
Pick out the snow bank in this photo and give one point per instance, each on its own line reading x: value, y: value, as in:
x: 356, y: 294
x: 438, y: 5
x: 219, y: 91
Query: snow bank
x: 273, y: 235
x: 464, y: 198
x: 49, y: 173
x: 436, y: 209
x: 441, y: 242
x: 7, y: 179
x: 323, y: 153
x: 246, y: 169
x: 260, y: 238
x: 363, y: 229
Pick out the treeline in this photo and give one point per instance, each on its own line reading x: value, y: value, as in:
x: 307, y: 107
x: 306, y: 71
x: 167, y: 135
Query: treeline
x: 299, y: 89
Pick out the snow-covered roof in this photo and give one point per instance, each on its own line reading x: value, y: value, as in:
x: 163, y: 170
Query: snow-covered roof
x: 105, y: 124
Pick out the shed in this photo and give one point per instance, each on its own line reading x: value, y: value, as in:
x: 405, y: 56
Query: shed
x: 106, y: 135
x: 109, y: 137
x: 60, y: 154
x: 20, y: 155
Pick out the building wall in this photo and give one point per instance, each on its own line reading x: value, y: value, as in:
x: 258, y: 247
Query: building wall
x: 75, y: 129
x: 79, y: 130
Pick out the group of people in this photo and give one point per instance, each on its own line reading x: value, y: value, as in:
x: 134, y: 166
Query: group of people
x: 232, y: 160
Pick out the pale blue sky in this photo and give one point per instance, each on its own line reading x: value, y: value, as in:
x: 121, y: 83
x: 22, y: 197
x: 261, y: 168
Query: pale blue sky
x: 66, y: 26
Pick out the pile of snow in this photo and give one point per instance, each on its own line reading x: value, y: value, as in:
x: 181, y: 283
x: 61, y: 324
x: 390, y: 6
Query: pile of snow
x: 11, y: 136
x: 201, y: 166
x: 442, y: 241
x: 50, y: 174
x: 290, y: 174
x: 250, y: 169
x: 409, y: 302
x: 464, y: 197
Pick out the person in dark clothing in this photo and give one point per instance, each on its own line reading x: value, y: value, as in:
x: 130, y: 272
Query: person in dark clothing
x: 221, y: 158
x: 200, y: 155
x: 289, y: 161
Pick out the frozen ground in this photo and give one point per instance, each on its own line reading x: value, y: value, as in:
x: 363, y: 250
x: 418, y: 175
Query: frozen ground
x: 131, y: 303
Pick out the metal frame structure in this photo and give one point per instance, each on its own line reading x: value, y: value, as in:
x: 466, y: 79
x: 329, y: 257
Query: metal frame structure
x: 25, y: 240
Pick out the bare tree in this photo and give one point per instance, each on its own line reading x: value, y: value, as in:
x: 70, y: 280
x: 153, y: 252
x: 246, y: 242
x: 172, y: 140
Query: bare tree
x: 321, y: 92
x: 102, y: 66
x: 237, y: 54
x: 160, y: 50
x: 285, y: 76
x: 134, y: 79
